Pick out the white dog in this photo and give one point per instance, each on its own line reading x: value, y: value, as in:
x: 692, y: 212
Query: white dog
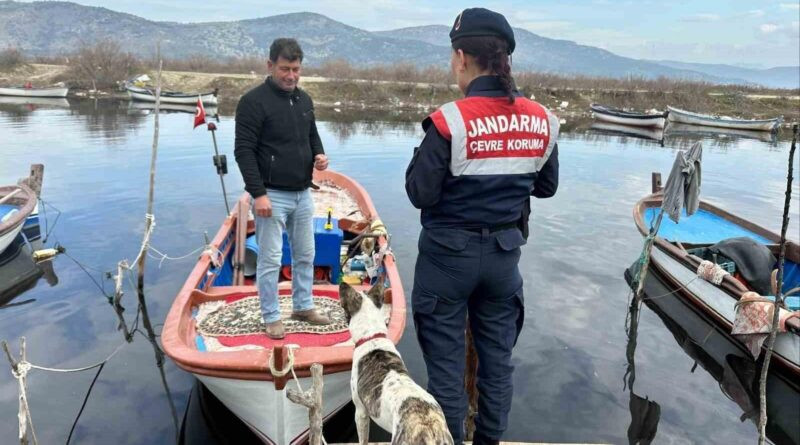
x: 381, y: 387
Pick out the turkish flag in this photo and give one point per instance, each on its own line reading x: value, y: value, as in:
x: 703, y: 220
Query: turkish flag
x: 199, y: 114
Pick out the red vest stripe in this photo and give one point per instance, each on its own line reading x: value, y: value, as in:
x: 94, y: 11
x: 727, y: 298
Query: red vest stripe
x: 490, y: 136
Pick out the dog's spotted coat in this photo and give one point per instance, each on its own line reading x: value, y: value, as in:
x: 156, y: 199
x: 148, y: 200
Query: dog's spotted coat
x: 380, y: 384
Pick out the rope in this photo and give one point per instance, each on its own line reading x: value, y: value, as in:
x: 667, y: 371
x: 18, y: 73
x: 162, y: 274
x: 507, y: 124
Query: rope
x: 146, y: 240
x: 284, y: 371
x: 85, y: 368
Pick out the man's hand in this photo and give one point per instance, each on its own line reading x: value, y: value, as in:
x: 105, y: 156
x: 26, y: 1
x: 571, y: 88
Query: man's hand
x: 320, y: 162
x: 263, y: 206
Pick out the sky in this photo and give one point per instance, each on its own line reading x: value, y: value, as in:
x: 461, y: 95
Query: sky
x: 757, y: 34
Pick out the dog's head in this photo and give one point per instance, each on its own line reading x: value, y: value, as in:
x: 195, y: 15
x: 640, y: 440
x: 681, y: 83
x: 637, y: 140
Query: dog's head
x: 355, y: 302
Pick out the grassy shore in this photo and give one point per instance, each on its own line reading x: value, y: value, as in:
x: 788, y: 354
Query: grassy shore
x: 565, y: 96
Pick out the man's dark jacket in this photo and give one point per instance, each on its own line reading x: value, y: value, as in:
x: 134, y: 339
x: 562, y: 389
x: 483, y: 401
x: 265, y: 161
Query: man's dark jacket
x: 276, y: 139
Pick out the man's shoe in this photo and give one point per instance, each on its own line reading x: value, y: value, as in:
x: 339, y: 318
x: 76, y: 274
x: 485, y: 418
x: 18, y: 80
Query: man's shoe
x: 275, y: 330
x: 311, y: 316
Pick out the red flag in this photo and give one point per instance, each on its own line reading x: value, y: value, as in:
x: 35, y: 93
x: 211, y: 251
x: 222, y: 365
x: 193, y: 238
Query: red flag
x: 199, y: 114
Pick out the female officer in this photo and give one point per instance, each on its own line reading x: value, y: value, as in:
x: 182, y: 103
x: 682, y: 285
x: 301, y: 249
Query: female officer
x: 472, y: 176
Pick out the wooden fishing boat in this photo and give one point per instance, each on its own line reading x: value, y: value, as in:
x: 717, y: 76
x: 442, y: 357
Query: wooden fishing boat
x: 631, y: 118
x: 17, y: 203
x: 688, y: 117
x: 170, y: 97
x: 246, y: 370
x: 33, y: 102
x: 34, y: 92
x: 673, y: 258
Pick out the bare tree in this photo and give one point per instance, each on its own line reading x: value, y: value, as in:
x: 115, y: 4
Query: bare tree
x: 102, y: 64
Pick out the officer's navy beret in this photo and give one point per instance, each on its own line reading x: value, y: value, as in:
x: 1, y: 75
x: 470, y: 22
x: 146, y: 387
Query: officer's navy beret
x: 475, y: 22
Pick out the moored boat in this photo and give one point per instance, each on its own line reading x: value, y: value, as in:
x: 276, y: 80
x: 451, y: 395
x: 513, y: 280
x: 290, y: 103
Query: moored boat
x: 631, y: 118
x: 678, y: 250
x: 34, y: 92
x: 170, y: 97
x: 214, y: 328
x: 17, y: 203
x: 689, y: 117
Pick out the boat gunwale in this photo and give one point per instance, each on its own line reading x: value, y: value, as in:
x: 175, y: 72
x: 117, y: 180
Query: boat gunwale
x: 732, y: 287
x: 618, y: 112
x: 177, y: 337
x: 28, y: 203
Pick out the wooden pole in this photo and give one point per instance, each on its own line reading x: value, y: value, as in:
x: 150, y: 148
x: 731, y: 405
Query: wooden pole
x: 311, y: 399
x: 762, y: 419
x: 24, y: 414
x: 153, y: 157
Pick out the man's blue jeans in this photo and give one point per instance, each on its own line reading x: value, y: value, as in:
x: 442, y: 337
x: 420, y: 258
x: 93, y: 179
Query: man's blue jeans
x: 292, y: 212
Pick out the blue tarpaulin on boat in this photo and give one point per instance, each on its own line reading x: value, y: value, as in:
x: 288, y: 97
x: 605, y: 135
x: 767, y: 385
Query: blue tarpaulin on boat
x: 702, y: 227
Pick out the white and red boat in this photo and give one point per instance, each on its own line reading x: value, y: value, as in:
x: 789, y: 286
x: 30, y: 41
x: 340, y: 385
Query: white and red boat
x: 242, y: 367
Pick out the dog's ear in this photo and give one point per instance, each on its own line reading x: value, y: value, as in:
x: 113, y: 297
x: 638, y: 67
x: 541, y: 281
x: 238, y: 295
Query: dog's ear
x: 349, y: 298
x: 376, y: 294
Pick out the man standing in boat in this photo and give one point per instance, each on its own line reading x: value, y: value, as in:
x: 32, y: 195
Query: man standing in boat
x: 473, y: 175
x: 277, y: 147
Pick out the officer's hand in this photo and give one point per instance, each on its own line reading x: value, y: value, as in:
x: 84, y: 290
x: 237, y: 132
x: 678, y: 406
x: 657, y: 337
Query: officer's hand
x: 320, y: 162
x: 263, y: 206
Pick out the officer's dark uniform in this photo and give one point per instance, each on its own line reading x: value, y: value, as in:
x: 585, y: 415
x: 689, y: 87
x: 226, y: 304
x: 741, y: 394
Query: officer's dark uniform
x: 472, y: 176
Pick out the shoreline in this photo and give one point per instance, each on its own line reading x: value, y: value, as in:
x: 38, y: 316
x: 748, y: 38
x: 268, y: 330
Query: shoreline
x: 415, y: 98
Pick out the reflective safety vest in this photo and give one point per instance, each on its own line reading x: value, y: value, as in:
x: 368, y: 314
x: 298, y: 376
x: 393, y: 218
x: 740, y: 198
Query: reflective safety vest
x: 490, y: 136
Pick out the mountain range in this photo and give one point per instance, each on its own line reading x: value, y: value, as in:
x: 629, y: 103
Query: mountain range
x: 58, y: 28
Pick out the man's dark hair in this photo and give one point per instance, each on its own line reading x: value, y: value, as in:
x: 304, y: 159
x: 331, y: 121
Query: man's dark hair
x: 289, y: 49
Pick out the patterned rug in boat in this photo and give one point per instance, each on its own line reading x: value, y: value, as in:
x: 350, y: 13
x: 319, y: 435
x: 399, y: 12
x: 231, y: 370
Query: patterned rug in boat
x: 235, y: 323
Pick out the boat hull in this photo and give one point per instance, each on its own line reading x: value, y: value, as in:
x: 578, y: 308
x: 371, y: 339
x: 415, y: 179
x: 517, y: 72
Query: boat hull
x: 34, y: 92
x: 654, y: 122
x: 716, y: 302
x: 688, y: 117
x: 146, y: 96
x: 269, y: 413
x: 8, y: 237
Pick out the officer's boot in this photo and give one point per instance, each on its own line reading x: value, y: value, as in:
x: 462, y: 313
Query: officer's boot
x: 480, y: 439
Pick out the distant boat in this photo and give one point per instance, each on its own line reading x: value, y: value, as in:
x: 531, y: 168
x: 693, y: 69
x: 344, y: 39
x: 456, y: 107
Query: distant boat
x: 632, y: 118
x: 688, y: 117
x: 170, y: 97
x: 34, y: 92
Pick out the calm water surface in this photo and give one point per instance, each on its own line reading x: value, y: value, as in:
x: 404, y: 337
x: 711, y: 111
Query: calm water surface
x: 570, y: 359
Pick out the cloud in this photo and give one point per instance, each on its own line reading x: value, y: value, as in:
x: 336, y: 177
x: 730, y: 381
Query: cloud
x: 754, y: 13
x: 791, y: 6
x: 702, y: 18
x: 768, y: 28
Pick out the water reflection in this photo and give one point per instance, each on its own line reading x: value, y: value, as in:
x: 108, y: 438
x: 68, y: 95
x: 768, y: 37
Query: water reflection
x: 645, y: 413
x: 19, y: 273
x: 722, y: 357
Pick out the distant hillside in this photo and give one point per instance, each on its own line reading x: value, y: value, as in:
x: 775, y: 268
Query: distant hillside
x: 778, y: 77
x: 58, y: 28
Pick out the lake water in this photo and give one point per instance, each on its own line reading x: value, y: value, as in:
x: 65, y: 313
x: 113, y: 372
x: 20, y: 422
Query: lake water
x: 570, y: 359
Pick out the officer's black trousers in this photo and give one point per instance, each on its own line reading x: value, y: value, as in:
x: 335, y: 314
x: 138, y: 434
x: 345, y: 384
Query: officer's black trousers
x: 460, y: 272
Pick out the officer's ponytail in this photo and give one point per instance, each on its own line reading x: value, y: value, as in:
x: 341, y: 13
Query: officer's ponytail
x: 490, y: 53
